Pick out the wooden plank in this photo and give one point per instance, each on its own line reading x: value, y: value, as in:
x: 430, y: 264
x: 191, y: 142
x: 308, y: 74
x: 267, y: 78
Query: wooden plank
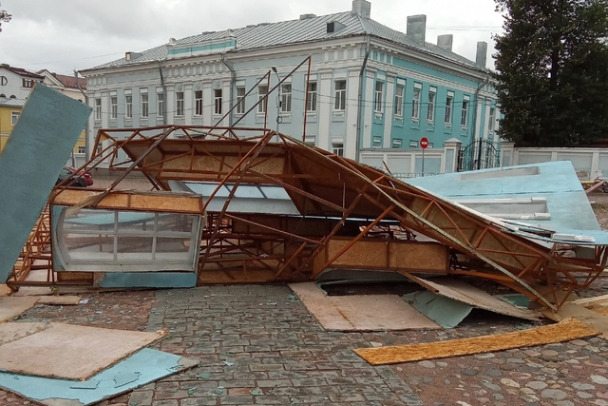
x: 568, y: 329
x: 360, y: 313
x: 72, y: 352
x: 12, y: 331
x: 592, y: 318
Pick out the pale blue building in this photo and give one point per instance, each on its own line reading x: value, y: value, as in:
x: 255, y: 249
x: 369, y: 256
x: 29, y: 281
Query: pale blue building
x: 372, y: 93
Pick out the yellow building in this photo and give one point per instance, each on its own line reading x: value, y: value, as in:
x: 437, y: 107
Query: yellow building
x: 16, y: 85
x: 10, y: 110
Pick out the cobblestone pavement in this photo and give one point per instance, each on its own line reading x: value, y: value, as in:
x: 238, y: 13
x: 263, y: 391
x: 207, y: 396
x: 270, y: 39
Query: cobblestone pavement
x: 258, y: 345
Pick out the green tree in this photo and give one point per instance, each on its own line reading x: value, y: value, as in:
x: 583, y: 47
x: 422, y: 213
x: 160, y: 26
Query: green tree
x: 552, y: 72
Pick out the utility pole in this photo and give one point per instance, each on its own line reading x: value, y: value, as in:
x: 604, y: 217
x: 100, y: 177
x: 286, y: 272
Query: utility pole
x: 4, y: 17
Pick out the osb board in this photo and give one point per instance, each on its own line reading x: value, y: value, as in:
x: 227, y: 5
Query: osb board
x: 394, y: 254
x: 463, y: 292
x: 71, y: 352
x: 567, y: 329
x: 360, y: 313
x: 11, y: 307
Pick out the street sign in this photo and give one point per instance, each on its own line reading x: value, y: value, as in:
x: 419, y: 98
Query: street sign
x: 424, y: 142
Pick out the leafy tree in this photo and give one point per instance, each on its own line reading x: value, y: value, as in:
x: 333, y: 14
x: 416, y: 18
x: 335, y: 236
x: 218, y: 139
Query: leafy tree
x: 552, y: 72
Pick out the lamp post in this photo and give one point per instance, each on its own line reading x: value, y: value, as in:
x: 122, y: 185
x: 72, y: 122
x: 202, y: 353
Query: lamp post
x: 274, y: 69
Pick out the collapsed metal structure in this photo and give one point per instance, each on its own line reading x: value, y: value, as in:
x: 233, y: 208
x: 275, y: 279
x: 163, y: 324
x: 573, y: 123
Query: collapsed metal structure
x: 276, y: 209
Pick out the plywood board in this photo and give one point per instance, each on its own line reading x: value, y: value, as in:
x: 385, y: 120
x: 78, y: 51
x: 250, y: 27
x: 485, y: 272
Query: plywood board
x: 63, y: 300
x: 143, y: 367
x: 11, y: 307
x: 72, y: 352
x: 12, y: 331
x: 567, y: 329
x: 592, y: 318
x: 360, y: 313
x: 463, y: 292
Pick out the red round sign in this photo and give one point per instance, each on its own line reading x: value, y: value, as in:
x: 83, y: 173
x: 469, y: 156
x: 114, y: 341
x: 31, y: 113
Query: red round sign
x: 424, y: 142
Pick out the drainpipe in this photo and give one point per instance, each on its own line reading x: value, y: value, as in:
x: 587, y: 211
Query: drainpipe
x: 86, y: 128
x: 164, y: 86
x: 232, y: 83
x: 360, y: 101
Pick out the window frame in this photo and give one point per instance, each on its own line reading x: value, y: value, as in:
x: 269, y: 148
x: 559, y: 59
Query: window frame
x: 217, y: 101
x: 113, y: 107
x: 262, y: 99
x: 128, y: 106
x: 198, y: 103
x: 432, y: 99
x: 464, y: 112
x: 416, y: 95
x: 340, y: 95
x: 160, y: 104
x: 285, y: 104
x: 240, y: 100
x: 312, y: 89
x: 449, y: 104
x: 145, y: 106
x: 179, y: 104
x: 399, y: 99
x: 379, y: 97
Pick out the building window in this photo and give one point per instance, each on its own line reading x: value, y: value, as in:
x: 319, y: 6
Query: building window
x: 14, y: 117
x: 97, y: 109
x: 129, y: 106
x: 448, y: 108
x: 311, y: 103
x: 240, y: 100
x: 464, y: 117
x: 416, y: 102
x: 337, y: 148
x: 144, y: 105
x: 491, y: 120
x: 179, y: 103
x: 198, y: 103
x: 285, y: 104
x: 81, y: 149
x: 430, y: 112
x: 378, y: 97
x: 262, y: 99
x: 340, y: 95
x: 397, y: 143
x: 28, y: 83
x: 398, y: 109
x: 217, y: 97
x: 160, y: 98
x: 114, y: 107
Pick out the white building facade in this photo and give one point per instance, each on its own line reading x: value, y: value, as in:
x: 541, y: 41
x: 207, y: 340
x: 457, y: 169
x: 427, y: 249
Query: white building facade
x: 372, y: 92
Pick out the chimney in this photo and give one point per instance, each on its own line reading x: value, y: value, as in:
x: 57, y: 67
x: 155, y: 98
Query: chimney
x: 362, y: 8
x: 481, y: 56
x: 416, y: 28
x: 445, y: 42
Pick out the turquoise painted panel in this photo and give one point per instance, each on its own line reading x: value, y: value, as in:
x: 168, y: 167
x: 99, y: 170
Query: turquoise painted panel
x: 446, y: 312
x: 37, y: 150
x: 148, y: 280
x: 433, y: 72
x: 141, y: 368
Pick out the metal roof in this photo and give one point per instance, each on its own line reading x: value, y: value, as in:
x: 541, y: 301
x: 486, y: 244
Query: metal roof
x: 310, y: 29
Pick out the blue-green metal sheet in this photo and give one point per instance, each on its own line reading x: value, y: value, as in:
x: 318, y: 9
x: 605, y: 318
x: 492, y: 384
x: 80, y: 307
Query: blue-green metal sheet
x: 143, y: 367
x: 33, y: 157
x: 156, y: 279
x: 446, y: 312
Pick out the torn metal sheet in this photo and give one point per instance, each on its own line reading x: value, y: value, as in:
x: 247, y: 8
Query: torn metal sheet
x: 540, y: 195
x: 463, y: 292
x: 141, y: 368
x: 35, y: 153
x: 360, y: 313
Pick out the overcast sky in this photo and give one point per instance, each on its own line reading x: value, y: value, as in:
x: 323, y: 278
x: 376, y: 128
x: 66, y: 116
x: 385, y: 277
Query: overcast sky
x: 64, y: 35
